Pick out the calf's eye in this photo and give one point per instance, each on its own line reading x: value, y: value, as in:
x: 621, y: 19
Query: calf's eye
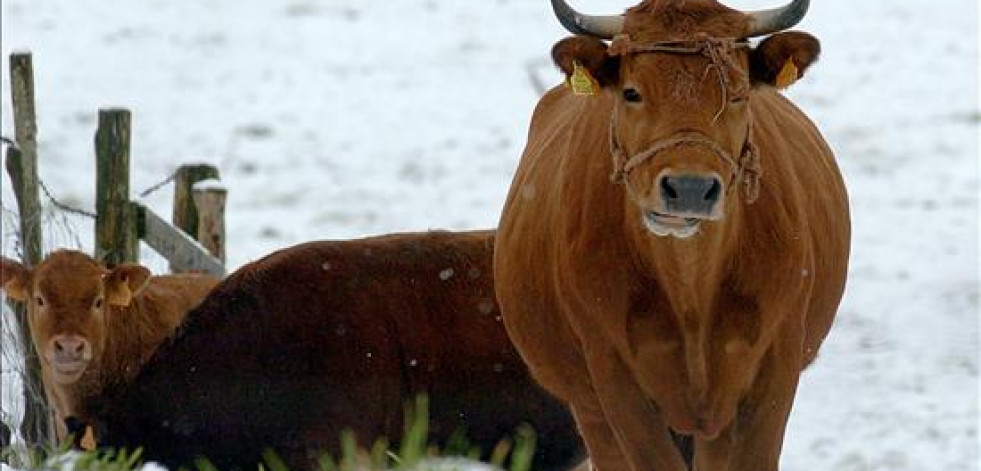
x: 97, y: 304
x: 632, y: 95
x: 39, y: 301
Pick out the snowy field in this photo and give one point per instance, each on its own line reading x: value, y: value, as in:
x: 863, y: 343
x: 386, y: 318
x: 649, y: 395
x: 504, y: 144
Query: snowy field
x: 333, y: 119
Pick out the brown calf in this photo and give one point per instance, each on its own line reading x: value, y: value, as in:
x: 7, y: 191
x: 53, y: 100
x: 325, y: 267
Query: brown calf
x: 91, y: 325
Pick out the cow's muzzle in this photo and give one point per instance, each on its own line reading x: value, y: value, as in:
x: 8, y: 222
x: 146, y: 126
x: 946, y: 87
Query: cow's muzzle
x: 690, y: 196
x: 666, y: 225
x: 69, y: 355
x: 681, y: 202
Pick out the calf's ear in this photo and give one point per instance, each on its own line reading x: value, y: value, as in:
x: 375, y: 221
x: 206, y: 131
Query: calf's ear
x: 15, y: 279
x: 584, y: 59
x: 124, y: 282
x: 781, y: 59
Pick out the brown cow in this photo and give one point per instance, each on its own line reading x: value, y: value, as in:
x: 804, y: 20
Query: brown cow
x: 292, y: 349
x: 685, y: 296
x: 91, y: 325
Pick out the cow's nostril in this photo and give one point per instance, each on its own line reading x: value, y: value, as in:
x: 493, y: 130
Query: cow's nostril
x: 691, y: 195
x: 667, y: 188
x: 713, y: 193
x: 70, y: 348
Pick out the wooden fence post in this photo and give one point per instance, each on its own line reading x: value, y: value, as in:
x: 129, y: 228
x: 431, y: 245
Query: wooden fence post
x: 210, y: 202
x: 185, y: 212
x: 115, y: 223
x: 22, y: 167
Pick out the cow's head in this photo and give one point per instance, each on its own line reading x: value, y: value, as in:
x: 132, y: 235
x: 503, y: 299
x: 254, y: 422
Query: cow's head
x: 682, y: 73
x: 68, y: 298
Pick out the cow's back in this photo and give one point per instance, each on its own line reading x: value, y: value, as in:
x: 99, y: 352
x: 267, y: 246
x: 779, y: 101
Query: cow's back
x: 296, y: 347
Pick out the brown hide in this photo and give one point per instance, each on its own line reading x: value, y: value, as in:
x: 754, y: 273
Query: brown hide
x: 292, y: 349
x: 91, y: 325
x: 651, y: 320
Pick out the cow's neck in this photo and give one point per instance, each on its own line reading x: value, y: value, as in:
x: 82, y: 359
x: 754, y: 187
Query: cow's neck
x: 690, y: 274
x: 691, y: 271
x: 133, y: 338
x: 65, y: 397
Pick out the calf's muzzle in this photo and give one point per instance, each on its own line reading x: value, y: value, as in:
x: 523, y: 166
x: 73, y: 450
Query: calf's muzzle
x: 69, y: 348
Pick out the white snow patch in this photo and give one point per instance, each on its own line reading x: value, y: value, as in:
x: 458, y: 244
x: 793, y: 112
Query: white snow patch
x: 209, y: 184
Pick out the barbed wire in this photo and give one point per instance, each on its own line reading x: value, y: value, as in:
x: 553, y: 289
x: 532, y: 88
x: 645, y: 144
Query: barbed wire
x: 58, y: 230
x: 62, y: 206
x: 13, y: 347
x: 81, y: 212
x: 148, y: 191
x: 58, y: 204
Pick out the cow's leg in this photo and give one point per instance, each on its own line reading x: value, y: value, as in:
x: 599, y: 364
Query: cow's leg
x: 643, y: 435
x: 759, y: 429
x: 713, y: 455
x: 604, y: 449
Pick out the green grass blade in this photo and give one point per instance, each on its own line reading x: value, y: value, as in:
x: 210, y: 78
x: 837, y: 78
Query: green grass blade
x: 413, y: 447
x: 349, y: 451
x: 379, y: 455
x: 204, y: 464
x: 525, y: 442
x: 327, y: 463
x: 273, y: 461
x: 500, y: 452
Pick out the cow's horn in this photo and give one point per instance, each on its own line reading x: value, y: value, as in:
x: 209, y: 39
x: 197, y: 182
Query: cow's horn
x: 777, y: 19
x: 603, y: 27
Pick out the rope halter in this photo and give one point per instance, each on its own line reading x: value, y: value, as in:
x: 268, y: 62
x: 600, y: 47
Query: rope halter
x: 746, y: 169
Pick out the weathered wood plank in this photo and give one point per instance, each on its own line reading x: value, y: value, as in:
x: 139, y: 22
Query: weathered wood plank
x: 184, y: 253
x: 115, y: 228
x: 185, y: 212
x: 36, y: 428
x: 24, y: 171
x: 185, y: 215
x: 209, y: 198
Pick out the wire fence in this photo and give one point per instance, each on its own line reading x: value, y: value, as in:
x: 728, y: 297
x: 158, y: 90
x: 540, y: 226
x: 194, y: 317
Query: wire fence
x: 60, y: 230
x: 57, y: 203
x: 67, y: 226
x: 62, y: 227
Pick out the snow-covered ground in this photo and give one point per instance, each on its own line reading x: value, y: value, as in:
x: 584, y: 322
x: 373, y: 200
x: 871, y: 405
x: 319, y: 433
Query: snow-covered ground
x: 332, y: 119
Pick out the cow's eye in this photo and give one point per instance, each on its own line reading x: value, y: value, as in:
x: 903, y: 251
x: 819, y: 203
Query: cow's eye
x: 632, y: 95
x: 39, y: 300
x: 97, y: 304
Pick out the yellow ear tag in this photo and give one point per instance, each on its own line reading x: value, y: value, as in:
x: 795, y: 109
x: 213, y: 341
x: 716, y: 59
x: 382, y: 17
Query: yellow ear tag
x: 582, y: 82
x: 788, y: 75
x: 88, y: 440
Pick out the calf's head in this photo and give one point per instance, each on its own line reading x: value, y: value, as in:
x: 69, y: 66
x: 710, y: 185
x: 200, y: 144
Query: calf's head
x: 681, y: 73
x: 69, y: 297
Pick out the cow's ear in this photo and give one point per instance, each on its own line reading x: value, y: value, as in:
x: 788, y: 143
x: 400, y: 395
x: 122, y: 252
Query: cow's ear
x: 781, y: 59
x: 15, y: 279
x: 589, y: 56
x: 124, y: 282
